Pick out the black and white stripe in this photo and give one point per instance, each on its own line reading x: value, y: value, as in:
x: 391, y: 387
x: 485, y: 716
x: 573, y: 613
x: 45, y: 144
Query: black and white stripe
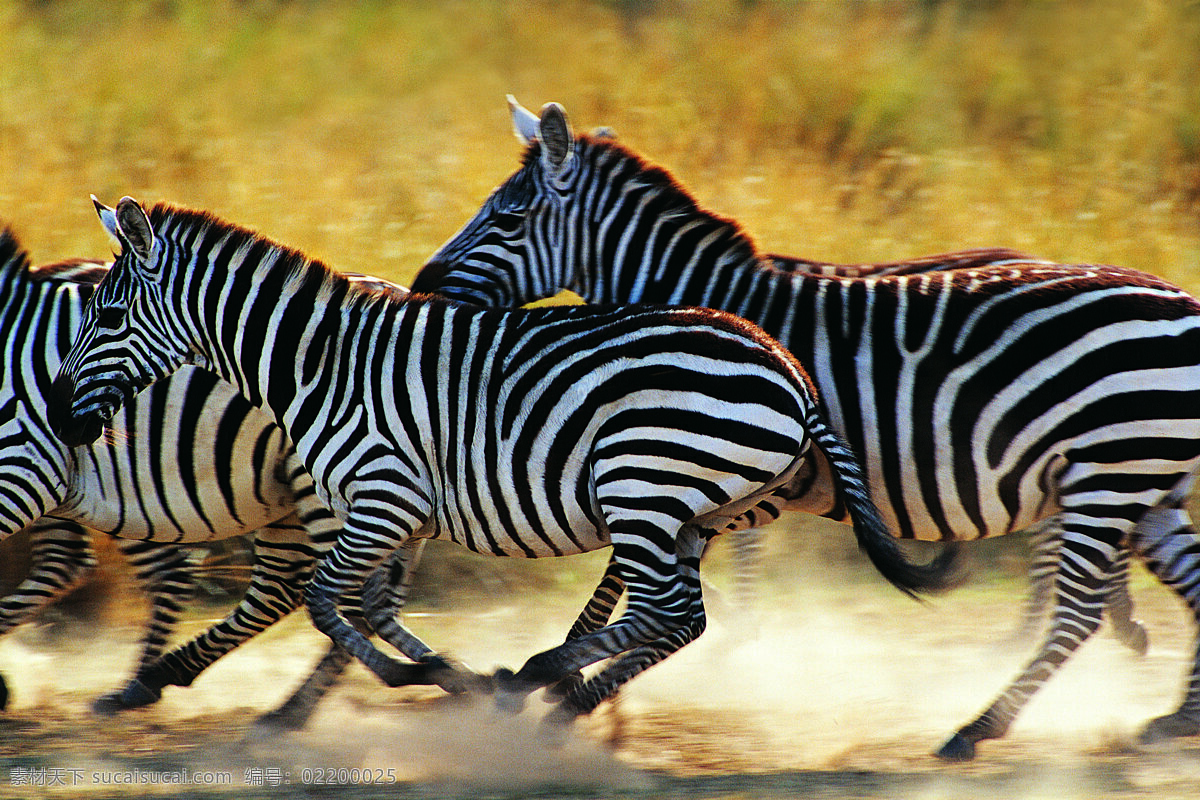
x: 530, y: 434
x: 983, y: 400
x: 189, y: 462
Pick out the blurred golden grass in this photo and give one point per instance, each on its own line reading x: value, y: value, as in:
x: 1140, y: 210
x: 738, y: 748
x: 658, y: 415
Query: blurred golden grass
x: 367, y: 132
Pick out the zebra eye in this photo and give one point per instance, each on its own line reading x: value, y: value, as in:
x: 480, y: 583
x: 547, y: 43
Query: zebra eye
x: 110, y: 317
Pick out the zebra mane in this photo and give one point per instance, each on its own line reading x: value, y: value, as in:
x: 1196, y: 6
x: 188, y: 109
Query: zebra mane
x: 72, y: 270
x: 196, y: 227
x: 14, y: 258
x: 16, y: 268
x: 671, y: 196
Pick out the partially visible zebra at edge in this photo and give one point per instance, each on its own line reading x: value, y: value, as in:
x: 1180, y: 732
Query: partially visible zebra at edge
x: 518, y: 433
x: 982, y: 400
x: 189, y: 462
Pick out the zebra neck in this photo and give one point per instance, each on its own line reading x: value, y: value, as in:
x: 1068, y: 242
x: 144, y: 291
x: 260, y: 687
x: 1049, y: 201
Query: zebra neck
x: 678, y: 255
x: 268, y: 329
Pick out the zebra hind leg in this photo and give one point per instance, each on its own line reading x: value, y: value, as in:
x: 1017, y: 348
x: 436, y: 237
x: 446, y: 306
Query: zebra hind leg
x: 1170, y: 546
x: 595, y: 615
x: 295, y: 712
x: 1118, y: 605
x: 359, y: 550
x: 584, y: 698
x: 1086, y: 563
x: 660, y: 610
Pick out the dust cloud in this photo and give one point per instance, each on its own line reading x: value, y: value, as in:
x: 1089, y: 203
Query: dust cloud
x: 833, y: 684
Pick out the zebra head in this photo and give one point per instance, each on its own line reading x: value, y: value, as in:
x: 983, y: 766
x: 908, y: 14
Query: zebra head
x: 513, y: 250
x: 122, y: 345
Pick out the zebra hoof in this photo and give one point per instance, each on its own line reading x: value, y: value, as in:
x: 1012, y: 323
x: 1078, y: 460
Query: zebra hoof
x: 555, y: 692
x: 134, y: 695
x: 455, y: 677
x: 1172, y: 726
x: 108, y: 704
x: 395, y: 673
x: 138, y: 694
x: 959, y: 748
x: 510, y: 693
x: 285, y: 719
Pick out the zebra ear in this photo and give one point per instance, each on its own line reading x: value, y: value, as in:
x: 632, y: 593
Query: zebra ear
x: 108, y: 218
x: 525, y: 122
x: 557, y: 139
x: 135, y: 228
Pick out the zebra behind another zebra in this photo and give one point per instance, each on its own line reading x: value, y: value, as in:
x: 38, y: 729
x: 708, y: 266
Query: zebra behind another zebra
x: 189, y: 461
x: 519, y: 433
x: 982, y: 400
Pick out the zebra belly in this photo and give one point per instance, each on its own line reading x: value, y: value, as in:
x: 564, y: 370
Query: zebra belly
x: 519, y: 525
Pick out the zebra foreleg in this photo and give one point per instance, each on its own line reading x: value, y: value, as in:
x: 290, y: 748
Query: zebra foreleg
x: 384, y: 594
x: 1044, y: 545
x: 1084, y: 570
x: 359, y: 550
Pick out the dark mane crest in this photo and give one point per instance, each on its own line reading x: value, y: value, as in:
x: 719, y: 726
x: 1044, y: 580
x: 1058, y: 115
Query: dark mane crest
x: 671, y: 197
x: 193, y: 226
x: 15, y: 265
x: 72, y: 270
x: 14, y: 258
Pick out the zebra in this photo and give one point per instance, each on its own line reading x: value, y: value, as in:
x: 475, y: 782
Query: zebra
x: 982, y: 400
x: 530, y: 434
x: 190, y: 461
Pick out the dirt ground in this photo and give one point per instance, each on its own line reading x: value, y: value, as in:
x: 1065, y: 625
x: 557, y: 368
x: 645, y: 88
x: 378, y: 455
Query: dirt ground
x: 838, y: 688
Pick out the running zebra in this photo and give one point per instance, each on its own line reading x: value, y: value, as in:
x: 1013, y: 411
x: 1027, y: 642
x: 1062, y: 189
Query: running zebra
x: 513, y: 433
x: 190, y: 461
x: 983, y: 400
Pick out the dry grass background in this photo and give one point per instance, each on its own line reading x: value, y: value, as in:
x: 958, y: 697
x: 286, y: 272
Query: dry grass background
x: 366, y: 132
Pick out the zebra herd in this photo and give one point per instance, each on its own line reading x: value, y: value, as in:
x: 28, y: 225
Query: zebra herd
x: 346, y: 422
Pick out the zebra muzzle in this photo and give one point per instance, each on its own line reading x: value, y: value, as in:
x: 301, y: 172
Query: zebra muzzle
x: 72, y: 427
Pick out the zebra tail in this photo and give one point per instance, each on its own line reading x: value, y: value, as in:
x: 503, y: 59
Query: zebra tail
x: 882, y: 548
